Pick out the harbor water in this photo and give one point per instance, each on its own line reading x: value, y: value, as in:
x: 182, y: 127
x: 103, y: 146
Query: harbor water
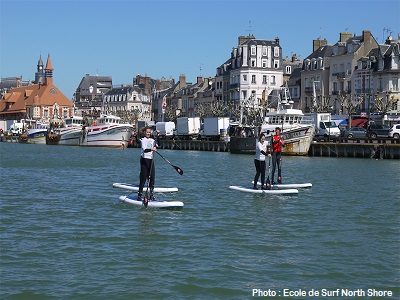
x: 65, y: 235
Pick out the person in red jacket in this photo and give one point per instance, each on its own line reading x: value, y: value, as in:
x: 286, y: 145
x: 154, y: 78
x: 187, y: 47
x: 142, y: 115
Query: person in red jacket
x: 277, y: 142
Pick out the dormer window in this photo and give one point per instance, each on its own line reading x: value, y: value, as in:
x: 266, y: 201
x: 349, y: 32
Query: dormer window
x: 349, y: 48
x: 253, y: 50
x: 276, y: 51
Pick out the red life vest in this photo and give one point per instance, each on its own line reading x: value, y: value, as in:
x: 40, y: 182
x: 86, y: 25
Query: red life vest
x: 276, y: 145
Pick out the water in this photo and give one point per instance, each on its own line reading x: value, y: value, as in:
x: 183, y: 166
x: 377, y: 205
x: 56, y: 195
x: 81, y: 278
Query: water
x: 64, y: 234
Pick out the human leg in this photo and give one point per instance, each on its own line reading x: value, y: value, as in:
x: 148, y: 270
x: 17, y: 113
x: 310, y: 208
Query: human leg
x: 258, y: 172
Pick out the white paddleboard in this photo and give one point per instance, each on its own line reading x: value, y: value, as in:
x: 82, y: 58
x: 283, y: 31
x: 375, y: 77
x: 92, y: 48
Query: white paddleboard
x: 288, y: 185
x: 155, y: 203
x: 259, y: 191
x: 135, y: 187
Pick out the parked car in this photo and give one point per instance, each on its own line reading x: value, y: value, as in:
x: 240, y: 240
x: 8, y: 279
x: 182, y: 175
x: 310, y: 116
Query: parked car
x: 374, y: 131
x: 356, y: 132
x: 394, y: 132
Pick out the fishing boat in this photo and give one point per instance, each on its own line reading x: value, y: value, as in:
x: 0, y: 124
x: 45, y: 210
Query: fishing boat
x: 107, y: 131
x: 297, y: 129
x: 36, y: 134
x: 71, y: 131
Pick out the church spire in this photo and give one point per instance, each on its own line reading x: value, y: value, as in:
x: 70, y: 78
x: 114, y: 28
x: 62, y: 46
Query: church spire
x: 39, y: 75
x: 49, y: 71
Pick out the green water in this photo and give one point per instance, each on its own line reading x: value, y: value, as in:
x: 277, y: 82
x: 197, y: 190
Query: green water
x: 65, y: 235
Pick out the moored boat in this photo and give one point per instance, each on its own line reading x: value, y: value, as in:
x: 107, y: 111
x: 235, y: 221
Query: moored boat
x: 297, y: 130
x: 36, y: 134
x: 71, y: 131
x: 107, y: 131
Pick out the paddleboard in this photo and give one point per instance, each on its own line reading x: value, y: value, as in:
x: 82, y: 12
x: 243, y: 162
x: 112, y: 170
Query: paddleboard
x: 288, y: 185
x: 135, y: 187
x: 155, y: 203
x: 273, y: 192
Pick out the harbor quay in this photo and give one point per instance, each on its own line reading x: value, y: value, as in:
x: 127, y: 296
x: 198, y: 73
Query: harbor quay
x: 384, y: 148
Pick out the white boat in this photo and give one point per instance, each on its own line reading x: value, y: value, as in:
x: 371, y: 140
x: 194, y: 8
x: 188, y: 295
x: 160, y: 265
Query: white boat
x: 297, y: 130
x: 107, y: 131
x: 71, y: 131
x: 36, y: 134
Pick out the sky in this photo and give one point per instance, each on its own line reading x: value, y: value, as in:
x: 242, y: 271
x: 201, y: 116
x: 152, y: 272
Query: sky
x: 123, y: 38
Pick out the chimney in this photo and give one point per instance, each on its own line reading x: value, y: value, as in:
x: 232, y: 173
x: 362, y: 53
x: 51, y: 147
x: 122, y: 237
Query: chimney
x: 319, y: 43
x: 294, y: 57
x: 366, y: 35
x: 244, y: 39
x: 182, y: 80
x: 199, y: 80
x: 344, y: 36
x: 18, y: 82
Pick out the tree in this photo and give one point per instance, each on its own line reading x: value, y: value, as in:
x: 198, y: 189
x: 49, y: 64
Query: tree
x: 171, y: 113
x: 200, y: 109
x: 322, y: 104
x: 350, y: 102
x: 218, y: 109
x: 383, y: 104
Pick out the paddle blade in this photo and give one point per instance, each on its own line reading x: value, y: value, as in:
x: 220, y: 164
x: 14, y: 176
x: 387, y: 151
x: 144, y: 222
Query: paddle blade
x: 179, y: 170
x: 268, y: 183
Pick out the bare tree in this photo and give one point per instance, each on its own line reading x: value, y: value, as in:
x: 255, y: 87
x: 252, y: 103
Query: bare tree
x: 383, y: 104
x: 350, y: 102
x: 170, y: 113
x: 234, y: 110
x: 322, y: 104
x: 218, y: 109
x: 200, y: 109
x: 129, y: 116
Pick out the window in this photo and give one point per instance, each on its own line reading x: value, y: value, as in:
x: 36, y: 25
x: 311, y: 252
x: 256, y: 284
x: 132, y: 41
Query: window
x: 253, y: 50
x: 273, y: 80
x: 264, y: 63
x: 334, y: 69
x: 288, y: 69
x: 276, y: 51
x: 276, y: 64
x: 264, y: 51
x: 253, y: 62
x: 395, y: 83
x: 253, y: 78
x: 264, y: 79
x: 45, y: 113
x: 335, y: 87
x: 244, y: 77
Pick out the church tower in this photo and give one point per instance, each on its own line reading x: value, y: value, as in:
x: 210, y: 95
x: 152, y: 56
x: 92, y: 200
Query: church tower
x: 48, y: 71
x: 39, y: 75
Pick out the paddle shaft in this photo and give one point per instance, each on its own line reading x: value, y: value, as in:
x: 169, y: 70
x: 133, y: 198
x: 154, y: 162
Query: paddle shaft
x: 179, y: 170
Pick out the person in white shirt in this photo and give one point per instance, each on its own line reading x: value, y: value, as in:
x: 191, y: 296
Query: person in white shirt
x: 147, y: 168
x: 259, y: 160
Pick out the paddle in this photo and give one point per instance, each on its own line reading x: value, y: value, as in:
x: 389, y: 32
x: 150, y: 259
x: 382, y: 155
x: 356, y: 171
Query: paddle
x: 268, y: 182
x: 179, y: 170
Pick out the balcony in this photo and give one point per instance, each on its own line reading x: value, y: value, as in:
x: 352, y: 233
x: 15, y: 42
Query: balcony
x: 234, y: 86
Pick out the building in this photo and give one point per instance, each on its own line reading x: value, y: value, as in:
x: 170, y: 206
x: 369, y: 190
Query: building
x: 88, y: 97
x: 315, y: 76
x: 253, y: 71
x: 39, y: 102
x: 128, y: 99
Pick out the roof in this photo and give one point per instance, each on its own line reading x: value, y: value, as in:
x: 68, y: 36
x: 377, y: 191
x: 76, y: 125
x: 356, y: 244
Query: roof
x: 36, y: 94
